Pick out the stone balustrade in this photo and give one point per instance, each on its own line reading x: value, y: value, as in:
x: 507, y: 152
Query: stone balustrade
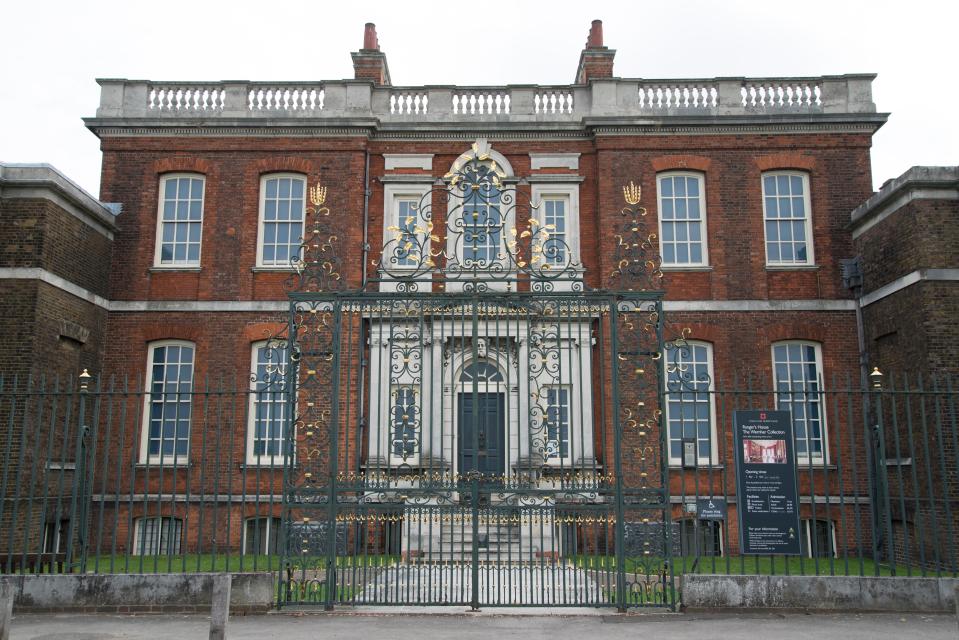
x: 602, y: 98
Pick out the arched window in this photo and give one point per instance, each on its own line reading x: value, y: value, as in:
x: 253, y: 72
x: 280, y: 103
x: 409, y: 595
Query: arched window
x: 787, y: 219
x: 282, y: 212
x: 797, y: 369
x: 179, y: 221
x: 168, y: 403
x: 682, y: 219
x: 481, y: 371
x: 482, y: 226
x: 269, y: 415
x: 480, y: 210
x: 690, y: 405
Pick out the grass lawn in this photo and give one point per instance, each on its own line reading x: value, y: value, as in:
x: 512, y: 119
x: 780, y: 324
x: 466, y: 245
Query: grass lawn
x: 752, y: 565
x: 195, y: 563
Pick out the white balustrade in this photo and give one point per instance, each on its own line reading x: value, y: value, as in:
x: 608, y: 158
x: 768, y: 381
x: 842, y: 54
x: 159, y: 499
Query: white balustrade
x: 553, y: 101
x: 779, y: 94
x: 612, y: 97
x: 657, y: 96
x: 279, y: 98
x: 185, y: 98
x: 480, y: 102
x: 409, y: 103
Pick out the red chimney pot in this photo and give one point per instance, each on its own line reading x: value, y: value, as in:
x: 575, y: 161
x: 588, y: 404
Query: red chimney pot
x: 595, y: 35
x: 370, y: 41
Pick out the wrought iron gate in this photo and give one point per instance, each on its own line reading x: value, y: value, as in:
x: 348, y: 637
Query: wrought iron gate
x: 475, y: 425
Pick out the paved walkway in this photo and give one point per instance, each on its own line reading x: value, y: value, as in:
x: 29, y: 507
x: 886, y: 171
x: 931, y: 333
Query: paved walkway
x: 484, y: 626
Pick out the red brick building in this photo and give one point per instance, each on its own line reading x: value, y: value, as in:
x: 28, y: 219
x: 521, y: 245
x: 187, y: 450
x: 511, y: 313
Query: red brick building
x: 747, y: 185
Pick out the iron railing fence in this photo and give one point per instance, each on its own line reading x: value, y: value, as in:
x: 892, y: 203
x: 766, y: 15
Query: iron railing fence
x: 82, y: 491
x: 877, y: 471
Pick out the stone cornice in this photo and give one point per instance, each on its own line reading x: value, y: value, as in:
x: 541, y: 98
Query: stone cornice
x: 918, y: 183
x: 46, y: 182
x: 501, y: 131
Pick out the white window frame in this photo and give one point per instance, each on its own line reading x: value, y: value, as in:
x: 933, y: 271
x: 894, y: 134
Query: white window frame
x: 704, y: 239
x: 806, y: 524
x: 807, y: 222
x: 722, y: 534
x: 559, y: 459
x: 804, y: 459
x: 539, y: 193
x: 261, y: 220
x: 145, y: 456
x: 280, y: 398
x: 174, y: 264
x: 713, y: 457
x: 161, y: 550
x: 54, y: 534
x: 393, y: 194
x: 270, y: 533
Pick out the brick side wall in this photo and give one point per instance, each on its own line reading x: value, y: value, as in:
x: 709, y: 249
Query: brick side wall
x: 923, y: 234
x: 46, y: 329
x: 18, y: 301
x: 38, y: 233
x: 914, y: 329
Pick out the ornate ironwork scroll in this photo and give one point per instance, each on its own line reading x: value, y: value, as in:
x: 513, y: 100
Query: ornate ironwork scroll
x: 375, y: 381
x: 489, y: 232
x: 636, y: 253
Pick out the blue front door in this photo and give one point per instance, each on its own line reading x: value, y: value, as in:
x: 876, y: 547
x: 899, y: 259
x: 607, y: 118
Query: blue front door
x: 481, y: 433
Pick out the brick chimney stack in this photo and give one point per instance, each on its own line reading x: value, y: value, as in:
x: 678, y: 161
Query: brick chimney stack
x: 596, y: 60
x: 369, y: 63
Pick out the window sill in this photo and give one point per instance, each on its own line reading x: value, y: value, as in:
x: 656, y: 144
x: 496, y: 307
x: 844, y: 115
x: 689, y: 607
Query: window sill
x: 165, y: 267
x: 793, y: 267
x: 691, y: 267
x: 279, y: 465
x: 898, y: 462
x: 555, y: 178
x: 702, y: 466
x: 277, y: 269
x: 815, y: 465
x: 166, y: 465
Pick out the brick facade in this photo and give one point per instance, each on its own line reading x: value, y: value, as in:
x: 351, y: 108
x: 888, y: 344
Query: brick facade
x: 737, y: 302
x: 53, y: 227
x: 908, y: 238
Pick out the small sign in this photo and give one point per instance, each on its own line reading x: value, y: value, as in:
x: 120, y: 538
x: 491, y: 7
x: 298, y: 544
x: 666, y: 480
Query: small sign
x: 768, y: 504
x: 711, y: 509
x: 689, y: 454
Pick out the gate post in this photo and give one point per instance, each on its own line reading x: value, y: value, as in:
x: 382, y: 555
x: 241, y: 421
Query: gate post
x: 620, y: 530
x: 883, y: 507
x: 78, y: 502
x: 331, y: 580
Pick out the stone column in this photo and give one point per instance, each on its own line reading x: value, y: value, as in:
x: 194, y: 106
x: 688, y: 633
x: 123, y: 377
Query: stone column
x: 220, y: 605
x: 6, y: 607
x: 524, y: 460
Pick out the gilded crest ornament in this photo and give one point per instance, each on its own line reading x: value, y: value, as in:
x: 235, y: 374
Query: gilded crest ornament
x: 317, y: 195
x: 633, y: 193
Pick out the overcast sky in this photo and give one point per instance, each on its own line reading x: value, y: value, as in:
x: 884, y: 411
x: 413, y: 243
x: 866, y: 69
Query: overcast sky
x: 50, y: 53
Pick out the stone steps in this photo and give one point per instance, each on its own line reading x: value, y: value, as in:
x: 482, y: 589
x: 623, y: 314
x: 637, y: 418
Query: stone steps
x: 510, y: 583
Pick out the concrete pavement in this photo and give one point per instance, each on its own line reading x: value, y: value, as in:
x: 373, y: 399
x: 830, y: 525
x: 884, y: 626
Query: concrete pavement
x: 492, y: 624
